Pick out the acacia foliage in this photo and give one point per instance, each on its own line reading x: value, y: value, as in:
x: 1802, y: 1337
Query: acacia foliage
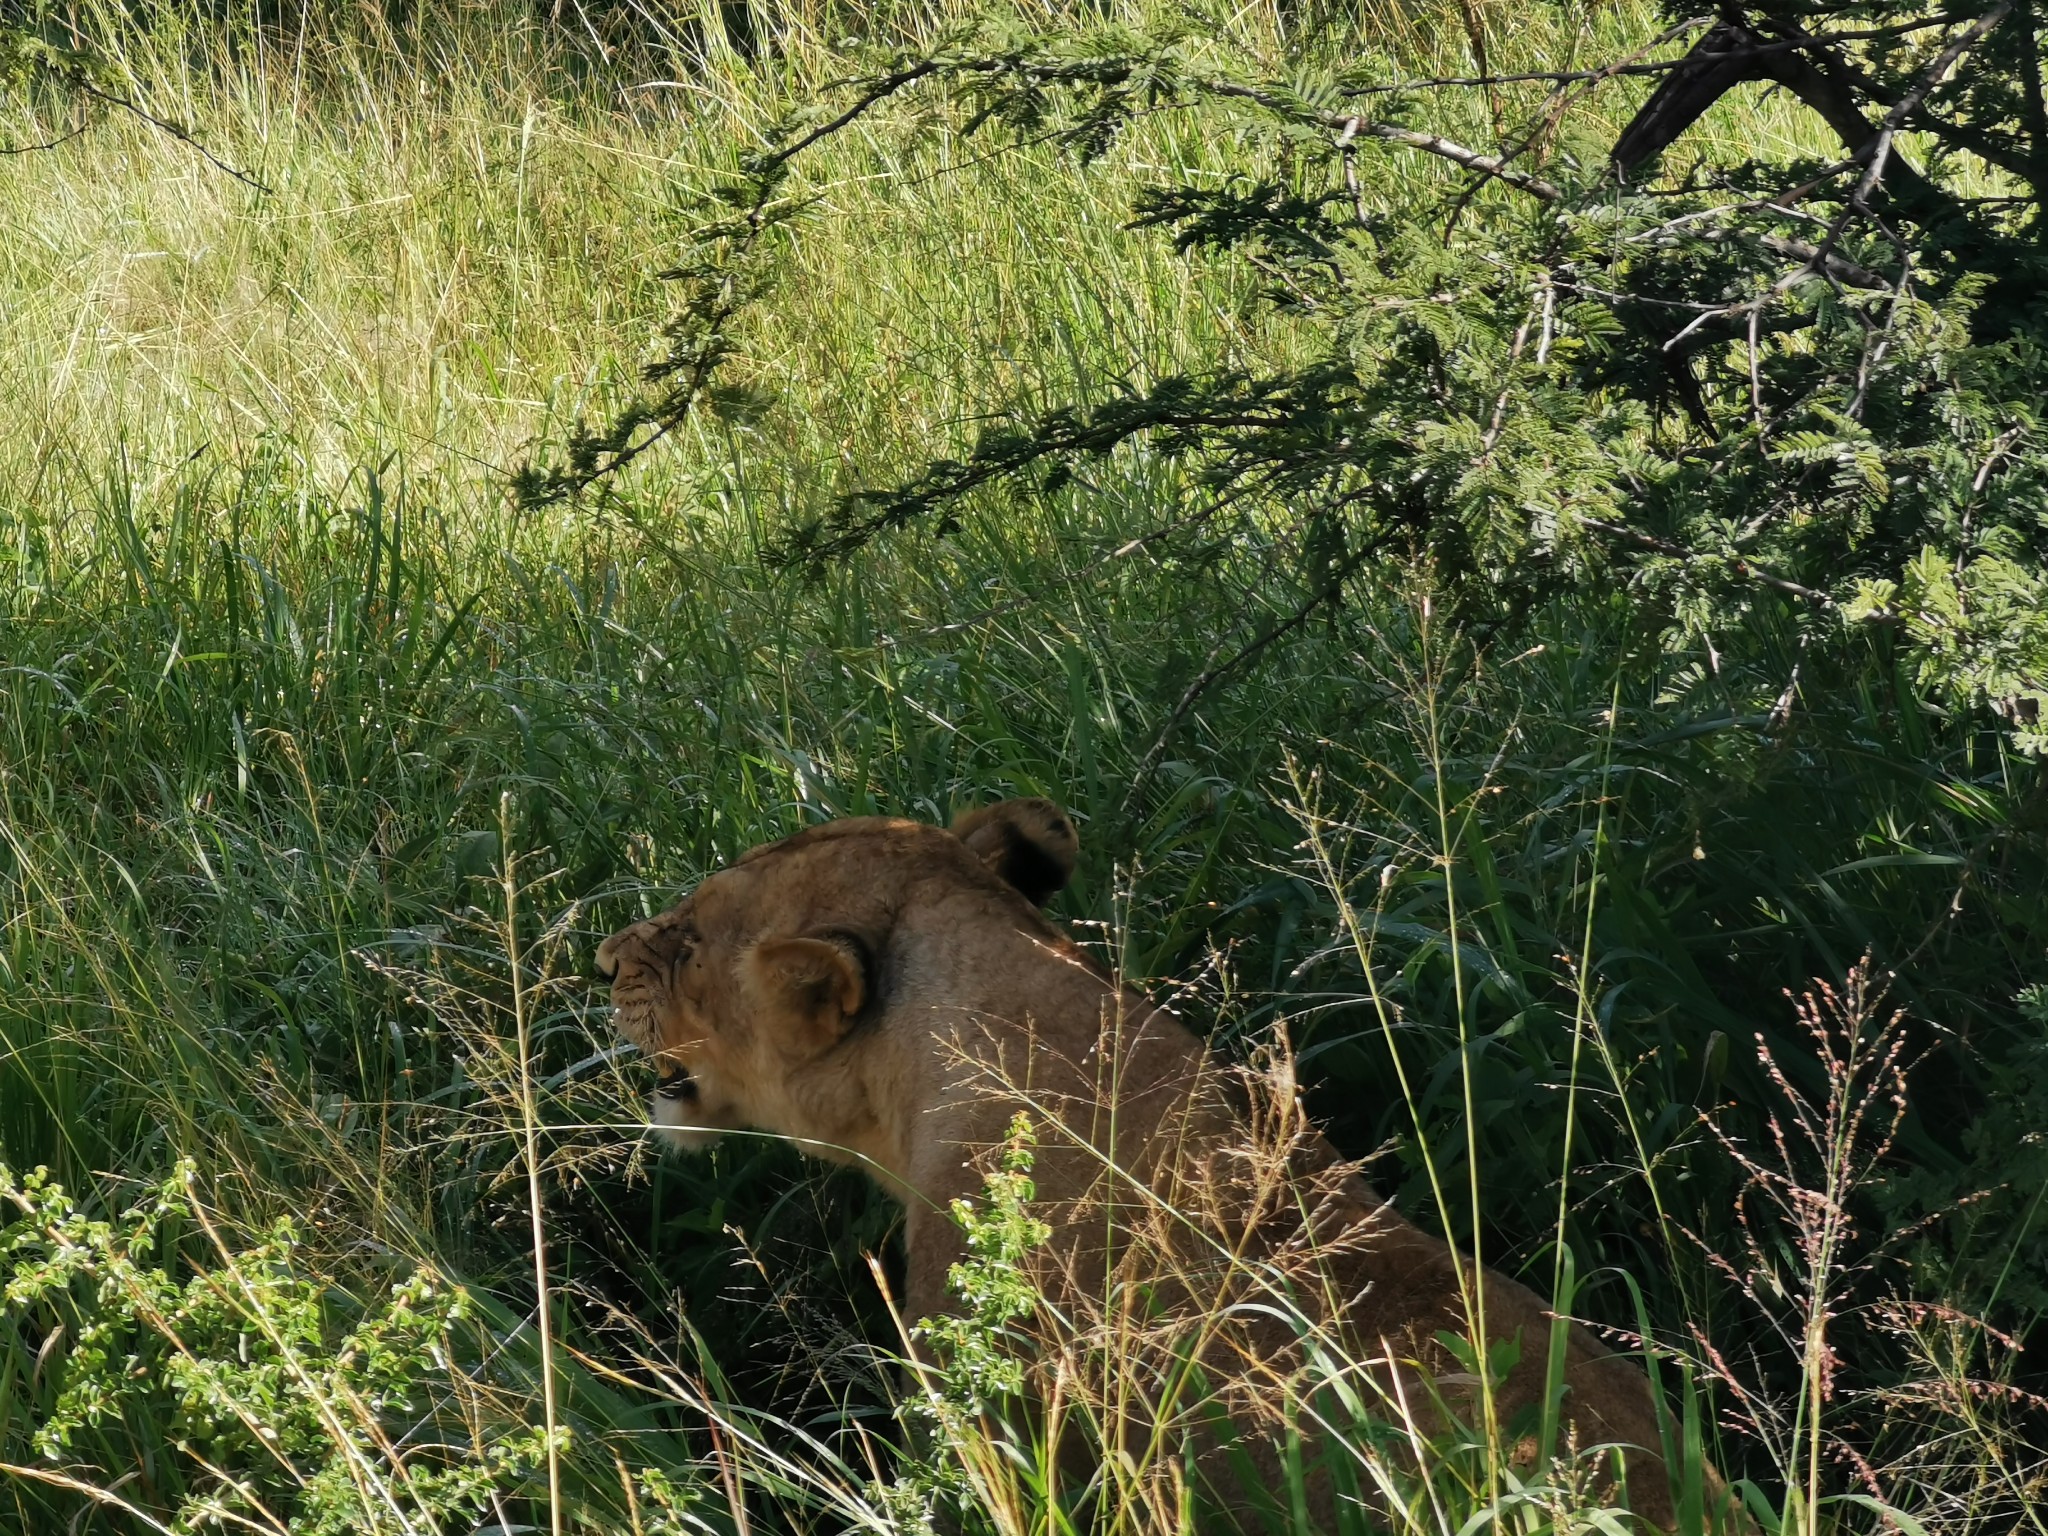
x: 1727, y: 382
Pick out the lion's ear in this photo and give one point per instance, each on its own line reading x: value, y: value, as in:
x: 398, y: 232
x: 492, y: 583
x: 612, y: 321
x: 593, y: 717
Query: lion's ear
x: 1029, y: 843
x: 818, y: 985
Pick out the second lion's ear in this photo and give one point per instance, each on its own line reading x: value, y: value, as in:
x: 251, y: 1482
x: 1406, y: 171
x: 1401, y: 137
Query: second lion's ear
x: 1030, y: 843
x: 813, y: 985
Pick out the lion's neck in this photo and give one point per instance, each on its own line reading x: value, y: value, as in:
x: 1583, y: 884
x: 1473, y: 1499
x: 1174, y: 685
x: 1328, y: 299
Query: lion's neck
x: 1114, y: 1087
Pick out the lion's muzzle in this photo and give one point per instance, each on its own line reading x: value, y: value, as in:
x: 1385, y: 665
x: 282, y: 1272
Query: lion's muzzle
x: 681, y: 1113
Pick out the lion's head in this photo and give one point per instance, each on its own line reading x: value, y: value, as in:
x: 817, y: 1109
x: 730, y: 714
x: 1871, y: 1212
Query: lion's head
x: 746, y: 993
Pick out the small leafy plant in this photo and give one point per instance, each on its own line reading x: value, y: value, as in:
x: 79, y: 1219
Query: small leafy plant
x: 977, y: 1369
x: 280, y: 1403
x: 976, y: 1372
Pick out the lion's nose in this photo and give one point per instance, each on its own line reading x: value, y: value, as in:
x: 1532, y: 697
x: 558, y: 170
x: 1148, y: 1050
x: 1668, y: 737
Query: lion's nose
x: 608, y: 957
x: 677, y: 1084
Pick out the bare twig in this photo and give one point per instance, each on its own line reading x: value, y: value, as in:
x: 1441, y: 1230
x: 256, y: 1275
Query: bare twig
x: 1829, y: 263
x: 1657, y: 67
x: 1500, y: 406
x: 1350, y: 127
x: 1945, y: 61
x: 1781, y: 711
x: 1216, y: 670
x: 165, y: 125
x: 1487, y: 165
x: 1756, y: 383
x: 1783, y: 204
x: 37, y: 149
x: 1876, y: 343
x: 2000, y: 447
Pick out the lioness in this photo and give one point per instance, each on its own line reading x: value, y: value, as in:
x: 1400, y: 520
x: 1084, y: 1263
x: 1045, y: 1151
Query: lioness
x: 888, y: 993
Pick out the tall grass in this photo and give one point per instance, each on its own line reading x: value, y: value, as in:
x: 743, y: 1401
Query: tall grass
x: 321, y: 767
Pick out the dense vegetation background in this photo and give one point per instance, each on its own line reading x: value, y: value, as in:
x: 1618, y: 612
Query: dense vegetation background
x: 330, y: 742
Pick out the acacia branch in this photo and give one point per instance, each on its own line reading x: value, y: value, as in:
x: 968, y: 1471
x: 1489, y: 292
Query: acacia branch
x: 1877, y: 152
x: 1742, y: 567
x: 1649, y: 67
x: 876, y: 91
x: 1487, y: 165
x: 1819, y: 83
x: 1875, y: 155
x: 1945, y: 61
x: 1175, y: 410
x: 1808, y: 66
x: 1350, y: 127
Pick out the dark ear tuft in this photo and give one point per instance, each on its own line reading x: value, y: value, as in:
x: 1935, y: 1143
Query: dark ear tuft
x: 1029, y: 843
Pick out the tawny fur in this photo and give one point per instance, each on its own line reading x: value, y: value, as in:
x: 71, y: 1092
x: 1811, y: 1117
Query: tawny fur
x: 884, y: 993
